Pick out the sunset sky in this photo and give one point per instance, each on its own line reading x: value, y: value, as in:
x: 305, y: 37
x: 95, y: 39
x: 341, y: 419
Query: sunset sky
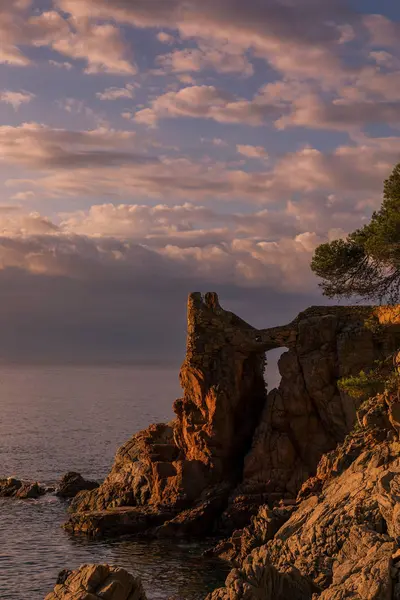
x: 149, y: 148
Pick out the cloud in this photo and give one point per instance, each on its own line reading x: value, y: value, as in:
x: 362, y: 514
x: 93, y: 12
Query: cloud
x: 302, y: 40
x: 182, y: 225
x: 206, y: 102
x: 383, y: 32
x: 106, y: 163
x: 252, y: 151
x: 12, y: 25
x: 23, y: 196
x: 251, y: 24
x: 16, y: 99
x: 39, y: 147
x: 340, y: 114
x: 165, y: 38
x: 88, y: 288
x: 219, y: 142
x: 112, y: 238
x: 114, y: 93
x: 61, y: 65
x: 222, y: 58
x: 100, y: 45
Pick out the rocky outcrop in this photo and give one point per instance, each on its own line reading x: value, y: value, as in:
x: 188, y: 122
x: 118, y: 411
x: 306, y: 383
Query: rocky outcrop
x: 68, y: 487
x: 23, y: 490
x: 72, y: 483
x: 262, y: 528
x: 232, y: 447
x: 342, y: 537
x: 97, y: 582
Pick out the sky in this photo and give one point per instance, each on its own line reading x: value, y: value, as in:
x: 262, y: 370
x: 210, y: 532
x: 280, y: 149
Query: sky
x: 150, y: 148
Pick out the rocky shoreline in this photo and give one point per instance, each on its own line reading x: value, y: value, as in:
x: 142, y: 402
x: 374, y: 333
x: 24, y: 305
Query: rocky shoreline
x: 232, y: 447
x: 68, y: 487
x: 340, y: 539
x: 302, y: 482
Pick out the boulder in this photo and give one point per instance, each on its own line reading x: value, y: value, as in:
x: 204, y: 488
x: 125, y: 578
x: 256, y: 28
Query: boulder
x: 72, y: 483
x: 97, y: 582
x: 23, y: 490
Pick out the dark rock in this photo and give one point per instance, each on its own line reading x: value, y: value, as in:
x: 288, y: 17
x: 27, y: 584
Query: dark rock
x: 24, y: 490
x: 73, y: 483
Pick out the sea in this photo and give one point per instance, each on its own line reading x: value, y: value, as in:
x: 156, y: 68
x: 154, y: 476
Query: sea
x: 57, y: 419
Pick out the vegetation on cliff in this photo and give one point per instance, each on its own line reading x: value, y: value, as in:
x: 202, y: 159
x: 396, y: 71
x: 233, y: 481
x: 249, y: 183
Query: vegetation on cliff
x: 367, y: 263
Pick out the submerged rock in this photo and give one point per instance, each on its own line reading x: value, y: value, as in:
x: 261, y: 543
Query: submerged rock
x: 229, y: 434
x: 72, y: 483
x: 24, y: 490
x: 102, y: 582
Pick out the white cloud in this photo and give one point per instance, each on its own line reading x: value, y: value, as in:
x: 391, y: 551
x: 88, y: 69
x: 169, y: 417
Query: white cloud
x: 206, y: 102
x: 165, y: 38
x: 100, y: 45
x: 12, y: 27
x: 23, y: 196
x: 108, y: 236
x: 40, y: 147
x: 61, y: 65
x: 341, y: 113
x: 219, y: 142
x: 114, y: 93
x: 223, y: 58
x: 16, y: 99
x: 252, y: 151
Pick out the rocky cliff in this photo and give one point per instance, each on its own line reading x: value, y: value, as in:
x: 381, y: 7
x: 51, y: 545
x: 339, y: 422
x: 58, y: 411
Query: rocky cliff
x: 232, y: 447
x: 341, y: 539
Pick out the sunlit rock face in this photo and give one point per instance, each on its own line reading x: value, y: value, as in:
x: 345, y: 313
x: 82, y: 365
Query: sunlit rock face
x: 232, y: 447
x: 95, y: 582
x: 341, y: 538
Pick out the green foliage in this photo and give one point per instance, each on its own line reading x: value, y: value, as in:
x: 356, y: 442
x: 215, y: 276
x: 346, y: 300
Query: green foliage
x: 383, y: 376
x: 367, y: 263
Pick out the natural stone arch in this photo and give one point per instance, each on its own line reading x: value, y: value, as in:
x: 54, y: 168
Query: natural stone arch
x: 231, y: 447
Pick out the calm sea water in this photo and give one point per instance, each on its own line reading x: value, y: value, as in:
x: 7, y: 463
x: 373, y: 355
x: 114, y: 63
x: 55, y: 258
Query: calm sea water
x: 57, y: 419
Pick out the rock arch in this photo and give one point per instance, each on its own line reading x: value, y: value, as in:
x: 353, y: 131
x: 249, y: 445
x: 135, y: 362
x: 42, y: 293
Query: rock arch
x: 231, y: 446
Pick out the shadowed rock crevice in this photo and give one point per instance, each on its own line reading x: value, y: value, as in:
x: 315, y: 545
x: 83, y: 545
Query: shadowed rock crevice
x: 232, y: 447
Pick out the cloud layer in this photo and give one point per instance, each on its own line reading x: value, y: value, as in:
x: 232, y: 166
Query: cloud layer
x: 151, y: 148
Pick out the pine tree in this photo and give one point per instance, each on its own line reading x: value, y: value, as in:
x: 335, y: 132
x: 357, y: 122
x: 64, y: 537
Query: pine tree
x: 367, y: 263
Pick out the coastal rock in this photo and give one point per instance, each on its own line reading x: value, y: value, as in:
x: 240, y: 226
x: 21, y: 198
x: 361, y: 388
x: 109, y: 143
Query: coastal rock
x: 364, y: 568
x: 262, y: 528
x: 259, y: 579
x: 23, y: 490
x: 97, y: 582
x: 341, y: 541
x: 228, y: 433
x: 72, y: 483
x: 116, y: 521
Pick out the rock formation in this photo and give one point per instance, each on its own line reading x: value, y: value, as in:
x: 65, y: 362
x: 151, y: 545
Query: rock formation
x: 341, y: 539
x: 72, y: 483
x: 23, y: 490
x: 68, y: 487
x: 97, y: 582
x: 232, y: 447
